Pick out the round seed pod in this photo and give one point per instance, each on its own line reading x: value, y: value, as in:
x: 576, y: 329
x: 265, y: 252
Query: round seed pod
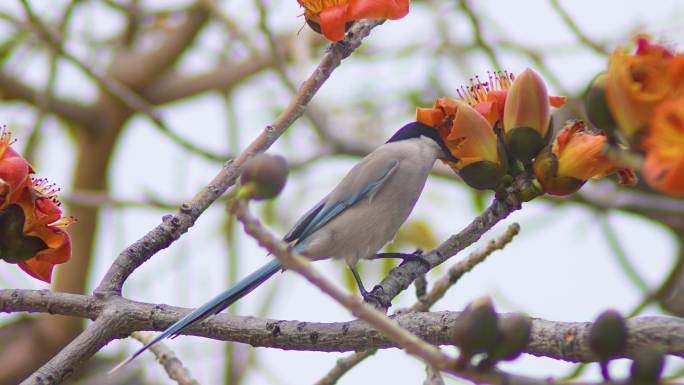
x: 608, y: 335
x: 264, y: 176
x: 647, y: 367
x: 514, y: 335
x: 475, y: 330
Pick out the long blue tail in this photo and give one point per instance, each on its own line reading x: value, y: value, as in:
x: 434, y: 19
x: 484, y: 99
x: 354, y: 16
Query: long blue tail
x: 214, y: 306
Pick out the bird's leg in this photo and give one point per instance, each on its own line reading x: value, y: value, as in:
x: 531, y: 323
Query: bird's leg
x: 364, y: 293
x: 368, y: 297
x: 415, y: 256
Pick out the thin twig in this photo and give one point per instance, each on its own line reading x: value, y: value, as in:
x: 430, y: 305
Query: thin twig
x: 168, y: 359
x: 440, y: 287
x: 401, y: 277
x: 621, y: 256
x: 581, y: 36
x: 477, y: 32
x: 343, y: 365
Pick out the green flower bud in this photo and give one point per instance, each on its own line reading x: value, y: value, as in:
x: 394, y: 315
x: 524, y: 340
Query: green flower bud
x: 524, y: 143
x: 482, y: 175
x: 647, y: 367
x: 264, y: 176
x: 608, y: 335
x: 597, y: 108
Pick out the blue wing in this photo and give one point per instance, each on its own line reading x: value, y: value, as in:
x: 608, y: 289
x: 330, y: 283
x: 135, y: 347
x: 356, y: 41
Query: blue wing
x: 365, y: 178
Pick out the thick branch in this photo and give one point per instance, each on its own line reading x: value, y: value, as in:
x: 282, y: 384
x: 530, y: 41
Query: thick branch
x: 96, y: 336
x: 559, y: 340
x: 174, y: 86
x: 139, y: 68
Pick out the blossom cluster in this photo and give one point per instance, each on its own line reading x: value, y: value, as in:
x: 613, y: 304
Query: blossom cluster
x: 503, y: 125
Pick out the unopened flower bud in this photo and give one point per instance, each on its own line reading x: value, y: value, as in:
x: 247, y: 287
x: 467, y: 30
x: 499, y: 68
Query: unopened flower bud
x: 575, y: 155
x: 264, y: 176
x: 597, y: 107
x: 475, y: 330
x: 608, y: 335
x: 514, y: 335
x: 526, y: 116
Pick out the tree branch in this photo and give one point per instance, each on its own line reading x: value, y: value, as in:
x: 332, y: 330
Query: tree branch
x: 567, y: 341
x: 94, y: 338
x: 401, y: 277
x: 173, y: 86
x: 168, y: 359
x: 12, y: 89
x: 138, y: 69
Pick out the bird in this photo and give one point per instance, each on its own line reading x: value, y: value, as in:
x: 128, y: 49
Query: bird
x: 354, y: 221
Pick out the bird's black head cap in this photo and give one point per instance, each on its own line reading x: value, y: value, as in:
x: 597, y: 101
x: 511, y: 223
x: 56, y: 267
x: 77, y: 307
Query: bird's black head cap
x: 416, y: 130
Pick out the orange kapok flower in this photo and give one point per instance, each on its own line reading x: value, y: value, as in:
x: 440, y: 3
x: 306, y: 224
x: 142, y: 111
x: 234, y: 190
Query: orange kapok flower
x: 526, y: 116
x: 637, y: 83
x: 664, y: 146
x: 331, y: 17
x: 575, y: 156
x: 470, y: 138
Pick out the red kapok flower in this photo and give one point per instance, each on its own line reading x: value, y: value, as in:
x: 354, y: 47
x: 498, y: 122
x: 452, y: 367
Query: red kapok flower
x: 575, y: 156
x: 43, y: 220
x: 14, y: 169
x: 664, y: 146
x: 330, y: 17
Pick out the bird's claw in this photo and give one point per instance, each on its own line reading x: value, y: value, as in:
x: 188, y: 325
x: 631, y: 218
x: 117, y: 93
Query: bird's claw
x: 375, y: 300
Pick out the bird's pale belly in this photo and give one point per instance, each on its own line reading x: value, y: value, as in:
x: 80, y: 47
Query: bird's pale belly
x: 362, y: 232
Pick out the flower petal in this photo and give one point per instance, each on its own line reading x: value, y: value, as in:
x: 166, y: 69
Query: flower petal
x: 38, y: 269
x: 378, y: 9
x: 471, y: 137
x: 665, y: 176
x: 333, y: 20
